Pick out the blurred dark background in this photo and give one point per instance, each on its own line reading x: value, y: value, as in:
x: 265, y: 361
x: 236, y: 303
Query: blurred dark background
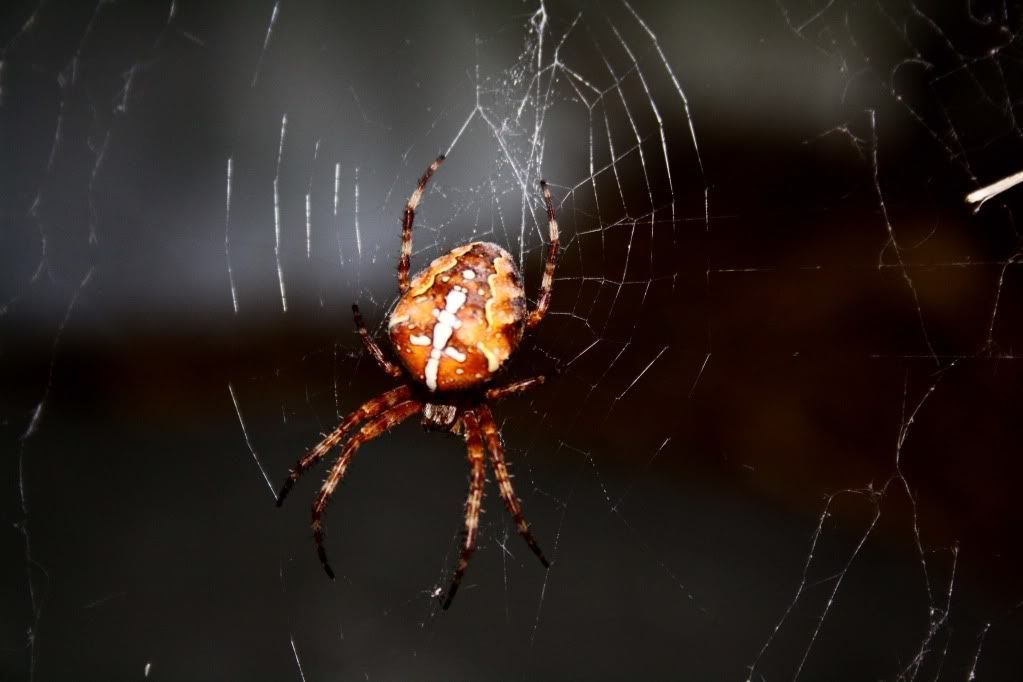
x: 780, y: 436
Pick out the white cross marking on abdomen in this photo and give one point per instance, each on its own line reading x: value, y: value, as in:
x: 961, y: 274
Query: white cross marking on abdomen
x: 447, y: 323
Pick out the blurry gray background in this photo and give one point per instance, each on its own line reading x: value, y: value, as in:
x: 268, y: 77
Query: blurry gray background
x: 780, y: 437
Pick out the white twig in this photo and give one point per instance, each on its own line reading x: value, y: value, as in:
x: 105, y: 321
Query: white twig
x: 979, y: 196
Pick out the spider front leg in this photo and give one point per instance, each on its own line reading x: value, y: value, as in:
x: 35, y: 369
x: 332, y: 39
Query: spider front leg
x: 513, y: 388
x: 389, y: 368
x: 547, y: 284
x: 511, y: 502
x: 406, y: 224
x: 474, y: 444
x: 368, y: 432
x: 369, y: 409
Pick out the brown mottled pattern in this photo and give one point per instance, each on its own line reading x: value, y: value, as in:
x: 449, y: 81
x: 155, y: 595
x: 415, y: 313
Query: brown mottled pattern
x: 492, y: 317
x: 424, y: 280
x: 547, y: 283
x: 440, y: 417
x: 504, y: 484
x: 501, y: 392
x: 474, y: 502
x: 372, y: 347
x: 367, y: 410
x: 408, y: 217
x: 470, y: 303
x: 369, y: 431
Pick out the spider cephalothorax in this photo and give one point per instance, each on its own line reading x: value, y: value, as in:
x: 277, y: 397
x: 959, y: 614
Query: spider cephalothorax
x: 454, y: 327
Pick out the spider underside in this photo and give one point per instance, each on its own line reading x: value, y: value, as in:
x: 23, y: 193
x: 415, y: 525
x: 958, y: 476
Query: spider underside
x: 472, y: 303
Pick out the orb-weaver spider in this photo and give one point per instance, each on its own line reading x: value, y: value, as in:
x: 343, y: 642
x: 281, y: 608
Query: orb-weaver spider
x: 456, y: 324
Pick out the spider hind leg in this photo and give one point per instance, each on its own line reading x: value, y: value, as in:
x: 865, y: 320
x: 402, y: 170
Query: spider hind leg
x: 368, y: 410
x: 370, y: 430
x: 473, y: 503
x: 511, y: 502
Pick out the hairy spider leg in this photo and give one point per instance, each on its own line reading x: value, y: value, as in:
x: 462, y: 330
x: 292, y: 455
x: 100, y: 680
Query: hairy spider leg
x: 389, y: 368
x: 368, y: 432
x: 369, y: 409
x: 547, y: 284
x: 406, y: 225
x: 515, y: 387
x: 474, y: 501
x: 504, y: 484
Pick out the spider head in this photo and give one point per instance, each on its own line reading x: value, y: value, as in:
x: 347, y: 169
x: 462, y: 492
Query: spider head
x: 442, y: 417
x: 460, y: 319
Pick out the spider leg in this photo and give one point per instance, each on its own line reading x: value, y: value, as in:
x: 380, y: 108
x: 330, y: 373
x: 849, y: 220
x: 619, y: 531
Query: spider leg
x: 547, y: 284
x: 406, y: 224
x: 378, y: 426
x: 369, y: 409
x: 389, y: 368
x: 511, y: 502
x: 513, y: 388
x: 474, y: 444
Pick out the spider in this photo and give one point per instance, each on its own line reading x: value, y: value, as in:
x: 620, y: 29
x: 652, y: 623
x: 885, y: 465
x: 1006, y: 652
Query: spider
x: 456, y: 324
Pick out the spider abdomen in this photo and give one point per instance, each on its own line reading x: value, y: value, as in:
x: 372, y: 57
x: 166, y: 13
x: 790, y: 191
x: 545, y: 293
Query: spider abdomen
x: 461, y: 318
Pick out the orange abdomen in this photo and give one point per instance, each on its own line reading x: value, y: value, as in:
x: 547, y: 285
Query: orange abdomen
x: 460, y: 318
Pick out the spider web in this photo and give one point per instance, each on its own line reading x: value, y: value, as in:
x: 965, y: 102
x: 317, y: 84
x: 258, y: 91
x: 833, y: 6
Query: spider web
x: 778, y: 434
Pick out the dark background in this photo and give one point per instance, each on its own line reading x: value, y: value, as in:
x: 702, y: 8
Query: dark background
x: 781, y: 434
